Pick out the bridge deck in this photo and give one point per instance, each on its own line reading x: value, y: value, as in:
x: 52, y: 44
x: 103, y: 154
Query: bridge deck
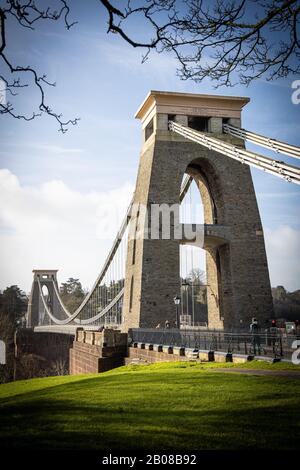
x: 63, y: 329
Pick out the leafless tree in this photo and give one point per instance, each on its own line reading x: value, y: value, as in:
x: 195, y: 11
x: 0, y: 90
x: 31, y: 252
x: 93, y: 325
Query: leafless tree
x: 15, y: 76
x: 59, y: 367
x: 225, y: 40
x: 228, y: 41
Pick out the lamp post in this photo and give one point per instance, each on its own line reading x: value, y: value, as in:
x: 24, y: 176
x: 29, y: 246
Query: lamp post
x: 177, y: 302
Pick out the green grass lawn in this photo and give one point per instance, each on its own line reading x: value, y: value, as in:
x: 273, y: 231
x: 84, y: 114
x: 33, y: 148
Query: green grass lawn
x: 178, y: 406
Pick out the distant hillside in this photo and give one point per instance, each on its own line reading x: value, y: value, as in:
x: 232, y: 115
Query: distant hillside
x: 286, y: 304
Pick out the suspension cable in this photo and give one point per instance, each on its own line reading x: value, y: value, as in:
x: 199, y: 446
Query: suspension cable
x: 282, y: 170
x: 84, y: 321
x: 272, y: 144
x: 111, y: 302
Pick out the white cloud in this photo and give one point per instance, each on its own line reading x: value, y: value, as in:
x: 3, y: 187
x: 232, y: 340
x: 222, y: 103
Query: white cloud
x: 51, y: 226
x: 53, y: 149
x: 54, y: 227
x: 56, y: 149
x: 283, y: 251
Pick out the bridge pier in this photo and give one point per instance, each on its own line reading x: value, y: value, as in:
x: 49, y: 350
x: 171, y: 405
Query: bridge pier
x: 93, y: 351
x: 237, y: 270
x: 45, y: 277
x: 238, y: 284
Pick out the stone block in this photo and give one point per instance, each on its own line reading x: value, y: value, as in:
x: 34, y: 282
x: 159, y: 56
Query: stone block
x: 215, y: 125
x: 98, y: 338
x: 112, y: 337
x: 241, y: 358
x: 178, y: 351
x: 161, y: 122
x: 81, y: 335
x: 89, y: 337
x: 192, y: 353
x: 205, y: 355
x: 181, y: 119
x: 221, y: 356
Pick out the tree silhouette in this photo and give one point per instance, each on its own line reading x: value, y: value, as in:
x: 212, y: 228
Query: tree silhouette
x: 215, y: 38
x: 17, y: 76
x: 228, y: 41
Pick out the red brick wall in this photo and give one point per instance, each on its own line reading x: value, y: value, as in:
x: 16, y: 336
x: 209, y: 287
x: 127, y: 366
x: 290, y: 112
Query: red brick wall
x: 91, y: 359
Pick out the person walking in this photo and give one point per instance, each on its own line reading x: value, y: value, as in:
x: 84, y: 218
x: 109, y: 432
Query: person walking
x: 254, y: 330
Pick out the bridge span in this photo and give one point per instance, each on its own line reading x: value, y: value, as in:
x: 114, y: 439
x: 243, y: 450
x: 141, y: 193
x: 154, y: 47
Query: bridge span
x: 188, y: 140
x: 63, y: 329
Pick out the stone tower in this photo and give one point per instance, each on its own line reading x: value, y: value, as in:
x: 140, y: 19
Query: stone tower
x: 35, y: 310
x: 236, y: 264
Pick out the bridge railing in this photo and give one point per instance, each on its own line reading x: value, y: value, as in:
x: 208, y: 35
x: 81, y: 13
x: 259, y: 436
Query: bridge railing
x: 265, y: 343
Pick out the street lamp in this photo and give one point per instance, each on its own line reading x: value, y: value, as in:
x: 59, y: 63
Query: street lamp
x: 177, y: 302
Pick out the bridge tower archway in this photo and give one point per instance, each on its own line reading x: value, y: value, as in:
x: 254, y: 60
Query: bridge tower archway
x: 205, y: 176
x: 36, y: 312
x: 232, y: 234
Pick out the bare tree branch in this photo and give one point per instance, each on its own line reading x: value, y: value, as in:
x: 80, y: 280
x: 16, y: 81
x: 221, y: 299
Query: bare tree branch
x: 27, y: 14
x: 227, y: 41
x: 239, y: 40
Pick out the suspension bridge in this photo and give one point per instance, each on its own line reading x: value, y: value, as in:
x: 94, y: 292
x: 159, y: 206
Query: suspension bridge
x: 193, y: 148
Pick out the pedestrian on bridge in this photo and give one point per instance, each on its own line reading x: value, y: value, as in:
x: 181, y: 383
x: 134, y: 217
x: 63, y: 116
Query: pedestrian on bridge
x: 254, y: 330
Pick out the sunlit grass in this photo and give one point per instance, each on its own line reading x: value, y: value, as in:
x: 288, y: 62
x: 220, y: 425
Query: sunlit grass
x: 160, y: 406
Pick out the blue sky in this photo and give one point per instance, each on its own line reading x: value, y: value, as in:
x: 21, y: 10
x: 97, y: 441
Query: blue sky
x: 53, y: 186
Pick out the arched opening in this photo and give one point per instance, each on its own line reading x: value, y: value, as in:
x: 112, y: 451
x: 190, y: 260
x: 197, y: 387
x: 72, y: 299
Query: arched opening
x: 45, y: 291
x: 43, y: 317
x: 193, y: 306
x: 200, y: 266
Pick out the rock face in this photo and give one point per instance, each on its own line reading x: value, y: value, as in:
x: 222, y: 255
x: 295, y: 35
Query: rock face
x: 237, y: 271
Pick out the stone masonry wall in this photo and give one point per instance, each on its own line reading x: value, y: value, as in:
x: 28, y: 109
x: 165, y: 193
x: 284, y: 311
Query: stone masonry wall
x: 39, y: 354
x: 242, y: 286
x: 89, y: 359
x: 152, y: 356
x: 95, y: 352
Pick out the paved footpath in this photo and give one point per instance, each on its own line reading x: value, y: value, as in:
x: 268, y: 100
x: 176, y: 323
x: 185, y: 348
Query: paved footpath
x: 277, y: 373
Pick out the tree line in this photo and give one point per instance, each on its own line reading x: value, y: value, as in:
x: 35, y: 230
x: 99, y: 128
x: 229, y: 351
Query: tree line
x: 14, y: 302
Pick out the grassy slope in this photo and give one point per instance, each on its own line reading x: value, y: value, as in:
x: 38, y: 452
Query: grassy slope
x: 162, y: 406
